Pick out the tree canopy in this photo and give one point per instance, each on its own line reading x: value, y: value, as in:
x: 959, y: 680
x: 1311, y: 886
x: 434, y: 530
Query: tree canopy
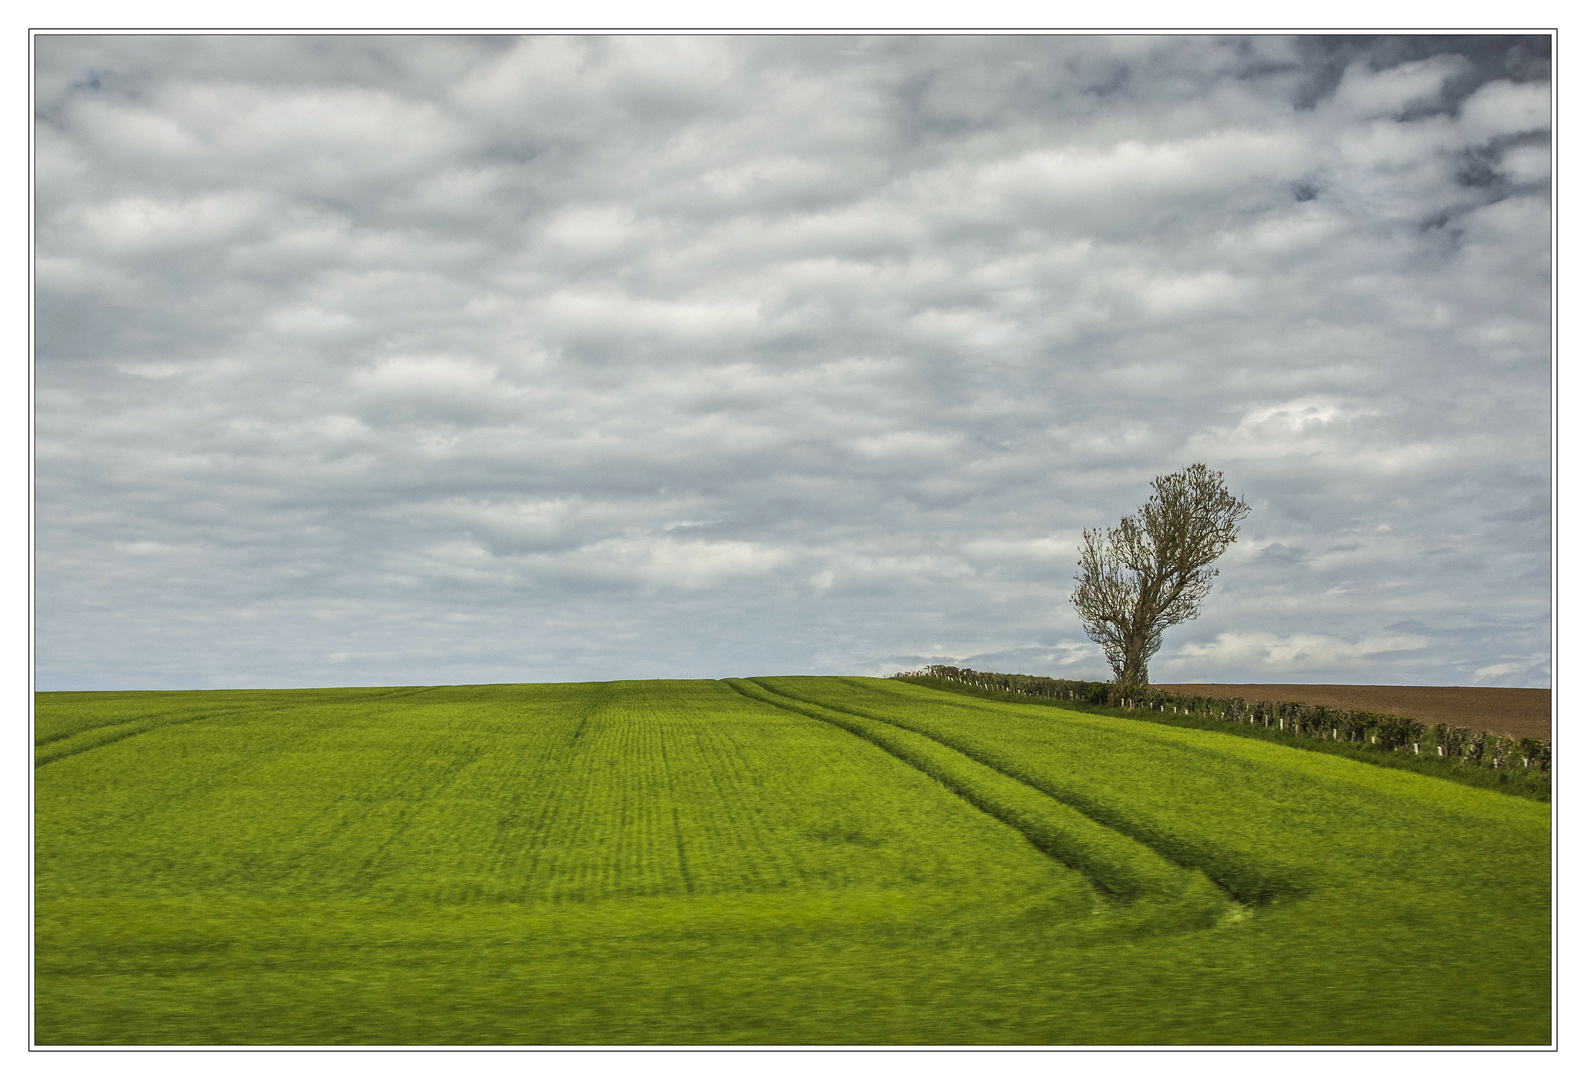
x: 1153, y: 570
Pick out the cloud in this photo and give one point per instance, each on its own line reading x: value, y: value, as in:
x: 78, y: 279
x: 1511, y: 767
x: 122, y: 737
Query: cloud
x: 1296, y: 653
x: 1367, y: 94
x: 397, y: 359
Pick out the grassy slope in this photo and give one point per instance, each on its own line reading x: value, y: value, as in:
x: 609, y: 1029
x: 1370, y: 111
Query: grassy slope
x: 1526, y: 783
x: 782, y: 862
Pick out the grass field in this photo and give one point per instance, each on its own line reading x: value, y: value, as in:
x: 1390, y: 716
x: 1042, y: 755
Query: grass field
x: 768, y: 861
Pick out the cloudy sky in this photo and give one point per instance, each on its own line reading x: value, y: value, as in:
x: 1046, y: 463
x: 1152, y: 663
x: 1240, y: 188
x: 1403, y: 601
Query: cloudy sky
x: 398, y: 360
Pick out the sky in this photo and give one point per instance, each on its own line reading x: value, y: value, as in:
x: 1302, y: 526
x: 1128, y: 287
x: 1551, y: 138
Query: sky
x: 414, y: 360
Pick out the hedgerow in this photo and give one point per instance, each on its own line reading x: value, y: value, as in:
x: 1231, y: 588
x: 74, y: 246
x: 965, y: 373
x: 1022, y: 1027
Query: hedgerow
x: 1522, y: 766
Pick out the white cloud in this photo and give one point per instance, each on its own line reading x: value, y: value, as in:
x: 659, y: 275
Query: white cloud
x: 1528, y: 164
x: 597, y: 229
x: 1365, y: 93
x: 441, y: 358
x: 135, y: 225
x: 1502, y: 108
x: 1493, y: 671
x: 1294, y: 653
x: 426, y: 376
x: 665, y: 561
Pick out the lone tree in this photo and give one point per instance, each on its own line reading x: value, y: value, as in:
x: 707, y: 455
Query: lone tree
x: 1154, y: 569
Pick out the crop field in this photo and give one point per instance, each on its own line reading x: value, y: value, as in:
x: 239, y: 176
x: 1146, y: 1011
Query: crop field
x: 772, y: 861
x: 1504, y: 710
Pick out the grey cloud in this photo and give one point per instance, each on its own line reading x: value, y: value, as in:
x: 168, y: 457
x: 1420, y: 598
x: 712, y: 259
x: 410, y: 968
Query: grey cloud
x: 1484, y: 58
x: 454, y: 359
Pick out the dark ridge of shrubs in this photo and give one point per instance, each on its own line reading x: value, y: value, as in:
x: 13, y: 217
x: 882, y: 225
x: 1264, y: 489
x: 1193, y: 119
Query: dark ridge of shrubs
x: 1510, y: 764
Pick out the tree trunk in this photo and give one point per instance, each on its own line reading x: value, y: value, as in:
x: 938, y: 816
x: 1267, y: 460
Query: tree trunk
x: 1134, y: 664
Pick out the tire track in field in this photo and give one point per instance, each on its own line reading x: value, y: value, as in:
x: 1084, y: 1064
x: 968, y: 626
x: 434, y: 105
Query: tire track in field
x: 544, y: 810
x: 1252, y: 886
x: 1114, y: 864
x: 677, y: 820
x: 73, y: 743
x: 1246, y: 882
x: 368, y: 871
x: 93, y: 738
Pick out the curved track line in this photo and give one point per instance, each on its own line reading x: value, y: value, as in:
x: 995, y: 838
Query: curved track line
x: 60, y: 747
x: 1253, y: 885
x: 1113, y: 863
x: 106, y: 735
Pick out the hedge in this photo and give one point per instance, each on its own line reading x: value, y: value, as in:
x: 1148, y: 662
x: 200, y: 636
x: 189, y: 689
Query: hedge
x: 1382, y: 730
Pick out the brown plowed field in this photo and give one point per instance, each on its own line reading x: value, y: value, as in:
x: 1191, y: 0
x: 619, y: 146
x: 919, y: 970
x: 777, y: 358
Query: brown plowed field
x: 1503, y: 710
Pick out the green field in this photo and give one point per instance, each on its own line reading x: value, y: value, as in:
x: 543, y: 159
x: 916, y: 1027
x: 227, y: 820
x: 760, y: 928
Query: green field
x: 769, y: 861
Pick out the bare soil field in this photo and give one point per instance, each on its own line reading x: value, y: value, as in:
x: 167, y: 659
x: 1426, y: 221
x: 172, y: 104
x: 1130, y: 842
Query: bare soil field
x: 1503, y: 710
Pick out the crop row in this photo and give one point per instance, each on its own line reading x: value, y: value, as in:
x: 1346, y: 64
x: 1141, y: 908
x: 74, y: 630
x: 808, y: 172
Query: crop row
x: 840, y: 862
x: 1313, y: 721
x: 525, y: 795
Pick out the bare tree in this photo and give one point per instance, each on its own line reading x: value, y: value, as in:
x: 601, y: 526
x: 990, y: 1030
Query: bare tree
x: 1154, y: 569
